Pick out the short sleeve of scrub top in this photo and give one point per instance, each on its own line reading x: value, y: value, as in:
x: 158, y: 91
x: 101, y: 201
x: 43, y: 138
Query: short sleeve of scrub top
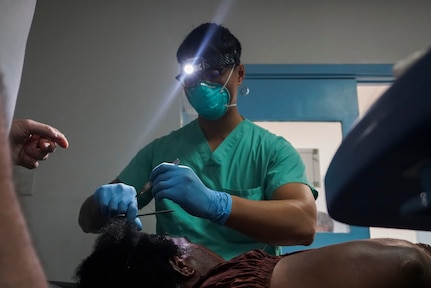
x: 251, y: 163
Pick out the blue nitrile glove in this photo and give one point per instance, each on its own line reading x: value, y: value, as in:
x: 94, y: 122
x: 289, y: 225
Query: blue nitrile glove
x: 180, y: 184
x: 119, y: 198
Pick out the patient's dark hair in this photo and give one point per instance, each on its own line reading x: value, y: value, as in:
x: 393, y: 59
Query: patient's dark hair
x: 124, y: 257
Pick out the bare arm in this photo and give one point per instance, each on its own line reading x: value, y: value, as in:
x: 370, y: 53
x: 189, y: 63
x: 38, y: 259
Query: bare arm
x: 371, y: 263
x: 19, y: 265
x: 288, y: 219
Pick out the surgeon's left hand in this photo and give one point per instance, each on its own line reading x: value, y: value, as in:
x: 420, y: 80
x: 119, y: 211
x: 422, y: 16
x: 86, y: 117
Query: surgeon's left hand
x: 180, y: 184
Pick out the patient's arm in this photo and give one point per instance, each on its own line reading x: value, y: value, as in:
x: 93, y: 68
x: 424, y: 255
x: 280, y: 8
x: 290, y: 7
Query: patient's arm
x: 371, y: 263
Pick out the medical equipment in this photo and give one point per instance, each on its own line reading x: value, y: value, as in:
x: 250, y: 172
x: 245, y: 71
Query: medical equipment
x: 188, y: 191
x: 192, y: 67
x: 147, y: 214
x: 380, y: 174
x: 146, y: 188
x: 149, y: 184
x: 210, y: 100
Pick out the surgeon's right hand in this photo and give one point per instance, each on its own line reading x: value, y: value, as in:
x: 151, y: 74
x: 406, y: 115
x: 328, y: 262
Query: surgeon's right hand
x: 119, y: 198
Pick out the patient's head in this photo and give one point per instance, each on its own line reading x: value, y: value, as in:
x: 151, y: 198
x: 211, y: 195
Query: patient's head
x: 125, y: 257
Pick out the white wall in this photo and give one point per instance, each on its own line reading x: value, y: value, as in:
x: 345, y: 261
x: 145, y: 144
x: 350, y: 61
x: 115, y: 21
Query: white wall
x: 13, y: 33
x: 103, y: 72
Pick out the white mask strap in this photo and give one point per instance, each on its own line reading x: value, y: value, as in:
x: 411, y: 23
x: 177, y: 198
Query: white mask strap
x: 228, y: 77
x: 224, y: 86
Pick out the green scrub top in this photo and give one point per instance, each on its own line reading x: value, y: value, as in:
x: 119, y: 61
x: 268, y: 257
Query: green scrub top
x: 250, y: 163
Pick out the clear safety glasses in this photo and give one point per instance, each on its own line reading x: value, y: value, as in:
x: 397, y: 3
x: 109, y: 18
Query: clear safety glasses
x: 211, y: 75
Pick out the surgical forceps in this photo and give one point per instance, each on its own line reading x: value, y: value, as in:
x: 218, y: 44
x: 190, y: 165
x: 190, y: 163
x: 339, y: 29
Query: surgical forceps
x: 147, y: 214
x: 146, y: 188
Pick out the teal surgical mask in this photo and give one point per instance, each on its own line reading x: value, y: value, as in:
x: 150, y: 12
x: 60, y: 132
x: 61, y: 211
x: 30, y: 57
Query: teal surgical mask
x: 210, y: 100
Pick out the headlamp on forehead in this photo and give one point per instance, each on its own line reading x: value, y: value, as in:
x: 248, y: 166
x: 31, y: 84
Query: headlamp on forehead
x: 193, y: 65
x: 197, y: 64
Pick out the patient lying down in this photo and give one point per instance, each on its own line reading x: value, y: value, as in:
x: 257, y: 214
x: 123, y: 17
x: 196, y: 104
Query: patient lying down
x: 125, y: 257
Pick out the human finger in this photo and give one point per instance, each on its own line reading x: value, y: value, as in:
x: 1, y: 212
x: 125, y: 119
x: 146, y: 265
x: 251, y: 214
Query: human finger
x: 160, y: 169
x: 46, y: 145
x: 31, y: 149
x: 165, y: 170
x: 138, y: 223
x: 132, y: 210
x: 28, y: 162
x: 47, y: 131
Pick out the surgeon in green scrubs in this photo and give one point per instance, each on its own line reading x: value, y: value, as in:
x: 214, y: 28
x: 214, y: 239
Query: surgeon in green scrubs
x: 237, y: 187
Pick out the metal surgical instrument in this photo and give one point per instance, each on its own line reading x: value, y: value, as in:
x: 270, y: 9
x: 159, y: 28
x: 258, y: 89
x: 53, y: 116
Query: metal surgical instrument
x: 147, y: 214
x: 146, y: 188
x: 148, y: 185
